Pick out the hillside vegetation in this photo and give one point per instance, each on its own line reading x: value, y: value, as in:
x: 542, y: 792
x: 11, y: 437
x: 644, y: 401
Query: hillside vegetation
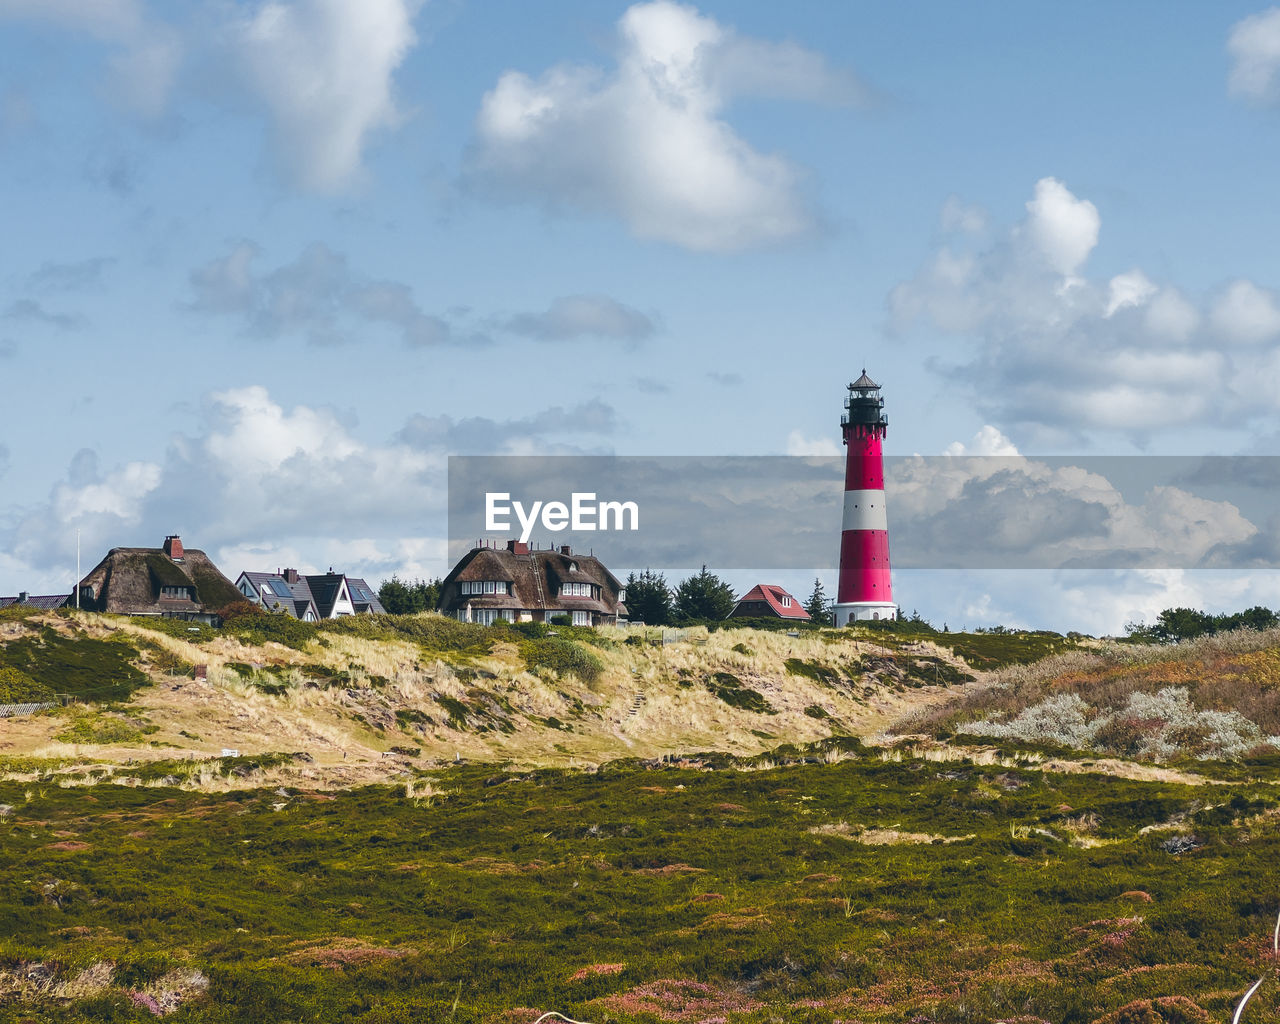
x: 429, y: 821
x: 1215, y: 697
x: 375, y: 695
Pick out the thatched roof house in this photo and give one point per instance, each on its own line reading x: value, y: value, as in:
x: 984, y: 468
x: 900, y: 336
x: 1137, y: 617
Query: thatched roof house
x: 522, y: 585
x: 169, y: 581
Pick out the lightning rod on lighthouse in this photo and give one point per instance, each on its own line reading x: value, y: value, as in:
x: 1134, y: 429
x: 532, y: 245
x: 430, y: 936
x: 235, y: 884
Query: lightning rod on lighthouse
x: 865, y: 590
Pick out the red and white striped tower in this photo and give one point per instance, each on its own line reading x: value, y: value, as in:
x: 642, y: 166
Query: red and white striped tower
x: 865, y: 590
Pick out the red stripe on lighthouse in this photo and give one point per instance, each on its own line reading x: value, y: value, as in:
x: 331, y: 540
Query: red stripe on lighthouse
x: 864, y: 567
x: 864, y: 465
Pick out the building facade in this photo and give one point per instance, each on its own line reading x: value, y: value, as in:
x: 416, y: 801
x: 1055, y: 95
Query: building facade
x: 170, y: 581
x: 765, y: 600
x: 310, y: 597
x: 518, y: 584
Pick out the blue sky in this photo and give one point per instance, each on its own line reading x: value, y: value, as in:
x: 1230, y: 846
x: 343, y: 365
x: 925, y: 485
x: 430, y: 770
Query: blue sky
x: 266, y: 265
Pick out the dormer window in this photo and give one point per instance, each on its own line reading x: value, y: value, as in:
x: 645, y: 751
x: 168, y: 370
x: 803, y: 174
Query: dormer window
x: 469, y: 587
x: 176, y: 593
x: 576, y: 590
x: 573, y: 566
x: 786, y: 602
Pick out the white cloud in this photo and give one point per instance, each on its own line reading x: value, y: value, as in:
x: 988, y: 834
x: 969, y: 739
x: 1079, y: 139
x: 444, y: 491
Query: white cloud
x: 649, y: 142
x: 1254, y: 46
x: 987, y: 441
x: 1170, y: 316
x: 1053, y: 355
x: 119, y: 494
x: 1131, y: 289
x: 288, y: 485
x: 324, y: 70
x: 1063, y: 228
x: 798, y: 444
x: 996, y: 511
x: 1246, y: 313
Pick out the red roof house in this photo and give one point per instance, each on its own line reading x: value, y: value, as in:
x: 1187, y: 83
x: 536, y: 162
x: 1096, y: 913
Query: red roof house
x: 765, y: 600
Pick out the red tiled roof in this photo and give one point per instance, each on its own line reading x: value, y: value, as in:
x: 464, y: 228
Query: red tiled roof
x: 772, y: 596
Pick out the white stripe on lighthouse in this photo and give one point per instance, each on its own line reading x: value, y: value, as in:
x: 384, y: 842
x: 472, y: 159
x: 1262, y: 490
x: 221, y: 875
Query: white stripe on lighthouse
x: 864, y: 510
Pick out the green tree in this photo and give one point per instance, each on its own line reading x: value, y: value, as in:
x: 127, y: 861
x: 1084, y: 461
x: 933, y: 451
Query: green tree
x: 818, y: 607
x: 1175, y: 624
x: 400, y: 598
x: 648, y: 598
x: 1257, y: 617
x: 704, y: 596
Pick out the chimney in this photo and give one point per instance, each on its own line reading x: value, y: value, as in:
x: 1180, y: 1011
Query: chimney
x: 291, y: 576
x: 565, y: 549
x: 22, y: 597
x: 518, y: 547
x: 173, y: 547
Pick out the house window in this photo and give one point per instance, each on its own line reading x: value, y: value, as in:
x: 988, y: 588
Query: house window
x: 488, y: 616
x: 622, y: 594
x: 177, y: 592
x: 467, y: 587
x: 786, y: 602
x: 576, y: 590
x: 582, y: 618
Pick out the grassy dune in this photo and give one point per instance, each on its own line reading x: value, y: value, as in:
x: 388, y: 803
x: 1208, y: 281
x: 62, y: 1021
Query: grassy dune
x: 364, y: 699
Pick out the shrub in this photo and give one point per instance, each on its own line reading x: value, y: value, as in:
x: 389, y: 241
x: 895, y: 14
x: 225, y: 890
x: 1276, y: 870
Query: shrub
x: 103, y: 729
x: 562, y: 656
x: 729, y: 689
x: 812, y: 670
x: 1148, y: 725
x: 16, y: 687
x: 433, y: 633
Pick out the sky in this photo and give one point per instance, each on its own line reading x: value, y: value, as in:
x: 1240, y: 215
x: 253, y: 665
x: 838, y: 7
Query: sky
x: 267, y: 265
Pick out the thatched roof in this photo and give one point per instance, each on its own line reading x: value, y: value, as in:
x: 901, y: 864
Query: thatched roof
x: 133, y: 581
x: 535, y: 578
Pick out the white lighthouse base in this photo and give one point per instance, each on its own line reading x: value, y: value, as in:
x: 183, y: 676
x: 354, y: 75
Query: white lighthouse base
x: 862, y: 611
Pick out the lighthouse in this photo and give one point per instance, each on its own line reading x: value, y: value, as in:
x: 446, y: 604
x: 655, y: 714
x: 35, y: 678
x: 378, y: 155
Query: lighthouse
x: 864, y: 591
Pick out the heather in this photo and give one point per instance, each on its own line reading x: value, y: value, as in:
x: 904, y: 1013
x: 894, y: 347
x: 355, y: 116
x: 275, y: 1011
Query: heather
x: 816, y: 884
x: 1214, y: 697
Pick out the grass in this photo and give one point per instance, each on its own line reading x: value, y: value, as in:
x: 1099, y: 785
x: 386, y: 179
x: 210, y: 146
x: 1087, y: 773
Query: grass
x: 729, y: 689
x: 78, y: 665
x: 814, y: 892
